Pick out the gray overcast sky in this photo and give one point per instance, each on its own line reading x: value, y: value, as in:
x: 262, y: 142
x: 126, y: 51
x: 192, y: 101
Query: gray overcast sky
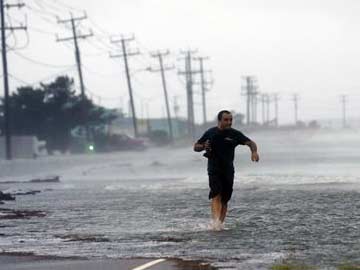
x: 310, y: 47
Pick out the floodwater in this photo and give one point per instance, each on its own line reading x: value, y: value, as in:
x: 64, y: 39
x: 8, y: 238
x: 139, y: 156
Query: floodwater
x: 300, y: 203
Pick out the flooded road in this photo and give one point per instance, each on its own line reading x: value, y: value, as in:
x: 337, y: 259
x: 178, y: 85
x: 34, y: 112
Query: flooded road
x: 300, y: 203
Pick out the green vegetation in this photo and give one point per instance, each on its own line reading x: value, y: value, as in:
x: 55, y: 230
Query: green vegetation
x: 298, y: 266
x: 349, y: 266
x: 294, y: 267
x: 54, y: 112
x: 287, y: 264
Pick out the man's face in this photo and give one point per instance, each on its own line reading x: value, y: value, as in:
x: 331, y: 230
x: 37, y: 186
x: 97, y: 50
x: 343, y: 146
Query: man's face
x: 226, y: 121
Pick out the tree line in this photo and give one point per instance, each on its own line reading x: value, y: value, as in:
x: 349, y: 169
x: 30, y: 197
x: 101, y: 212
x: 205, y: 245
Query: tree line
x: 55, y: 113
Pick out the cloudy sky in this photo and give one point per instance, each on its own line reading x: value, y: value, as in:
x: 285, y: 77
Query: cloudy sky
x: 309, y: 47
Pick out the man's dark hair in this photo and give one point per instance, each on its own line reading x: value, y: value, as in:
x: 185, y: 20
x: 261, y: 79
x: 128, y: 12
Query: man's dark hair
x: 220, y: 114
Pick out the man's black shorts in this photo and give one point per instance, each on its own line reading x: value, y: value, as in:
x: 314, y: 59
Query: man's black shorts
x: 221, y: 184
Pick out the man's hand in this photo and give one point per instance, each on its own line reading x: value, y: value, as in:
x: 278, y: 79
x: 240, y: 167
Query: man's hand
x: 255, y: 157
x: 207, y: 146
x: 198, y: 147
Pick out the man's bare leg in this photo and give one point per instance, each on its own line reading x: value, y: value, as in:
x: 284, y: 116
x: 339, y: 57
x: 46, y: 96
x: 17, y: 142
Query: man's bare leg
x: 216, y: 211
x: 223, y: 213
x: 216, y: 207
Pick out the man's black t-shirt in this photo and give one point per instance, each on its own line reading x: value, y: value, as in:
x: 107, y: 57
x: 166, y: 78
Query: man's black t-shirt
x: 223, y: 143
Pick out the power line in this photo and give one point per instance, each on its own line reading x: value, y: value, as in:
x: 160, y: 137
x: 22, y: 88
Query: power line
x: 12, y: 34
x: 100, y: 96
x: 102, y: 30
x: 188, y: 73
x: 67, y: 6
x: 204, y: 85
x: 250, y: 91
x: 296, y: 101
x: 7, y: 116
x: 276, y: 102
x: 41, y: 11
x: 343, y: 102
x: 125, y: 54
x: 52, y: 76
x: 160, y: 56
x: 99, y: 73
x: 46, y: 5
x: 41, y: 15
x: 99, y: 46
x: 268, y: 101
x: 263, y: 100
x: 75, y: 36
x: 19, y: 80
x: 38, y: 62
x: 41, y: 31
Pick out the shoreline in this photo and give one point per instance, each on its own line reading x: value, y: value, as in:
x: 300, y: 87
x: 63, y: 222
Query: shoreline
x: 32, y: 261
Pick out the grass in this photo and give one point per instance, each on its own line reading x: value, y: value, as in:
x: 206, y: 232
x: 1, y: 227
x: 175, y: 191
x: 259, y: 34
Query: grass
x: 294, y: 267
x: 348, y: 266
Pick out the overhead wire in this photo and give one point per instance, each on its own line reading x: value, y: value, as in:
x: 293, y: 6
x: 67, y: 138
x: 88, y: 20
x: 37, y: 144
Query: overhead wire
x: 67, y: 6
x: 18, y: 79
x: 11, y: 48
x: 47, y: 5
x: 54, y: 75
x: 39, y: 62
x: 42, y: 10
x: 99, y: 73
x: 44, y: 15
x: 100, y: 96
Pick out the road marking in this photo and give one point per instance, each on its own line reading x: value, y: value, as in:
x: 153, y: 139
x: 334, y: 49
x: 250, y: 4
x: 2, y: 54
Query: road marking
x: 149, y: 264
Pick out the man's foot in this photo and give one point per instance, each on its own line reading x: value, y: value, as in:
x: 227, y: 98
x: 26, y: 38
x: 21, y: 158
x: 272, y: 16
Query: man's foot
x: 216, y: 225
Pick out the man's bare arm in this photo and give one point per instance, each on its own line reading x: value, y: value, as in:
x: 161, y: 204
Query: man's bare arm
x: 198, y: 147
x: 253, y: 147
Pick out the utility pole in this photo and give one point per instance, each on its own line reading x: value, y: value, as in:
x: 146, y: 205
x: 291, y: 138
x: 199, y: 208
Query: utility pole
x: 148, y: 125
x: 254, y: 94
x: 189, y: 91
x: 160, y: 56
x: 248, y: 99
x: 176, y: 107
x: 7, y: 116
x: 125, y: 54
x: 343, y: 101
x: 204, y: 84
x: 254, y: 107
x: 268, y: 108
x: 296, y: 100
x: 276, y: 102
x: 249, y: 90
x: 75, y: 38
x: 263, y: 97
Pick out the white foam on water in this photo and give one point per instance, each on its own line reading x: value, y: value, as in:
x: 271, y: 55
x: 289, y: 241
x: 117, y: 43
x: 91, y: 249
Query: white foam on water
x: 196, y: 179
x: 206, y: 226
x: 66, y: 186
x: 216, y: 225
x: 113, y: 187
x: 295, y: 179
x: 266, y: 257
x: 209, y: 226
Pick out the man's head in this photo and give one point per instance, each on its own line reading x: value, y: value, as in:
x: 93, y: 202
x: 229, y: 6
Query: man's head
x: 224, y: 119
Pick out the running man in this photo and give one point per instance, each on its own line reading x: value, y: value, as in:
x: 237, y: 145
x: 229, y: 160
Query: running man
x: 219, y: 143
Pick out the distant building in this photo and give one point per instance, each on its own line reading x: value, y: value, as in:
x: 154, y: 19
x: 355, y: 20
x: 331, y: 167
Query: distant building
x: 124, y: 125
x: 23, y: 147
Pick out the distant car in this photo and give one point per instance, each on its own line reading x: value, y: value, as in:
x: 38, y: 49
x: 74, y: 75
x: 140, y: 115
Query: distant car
x: 125, y: 142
